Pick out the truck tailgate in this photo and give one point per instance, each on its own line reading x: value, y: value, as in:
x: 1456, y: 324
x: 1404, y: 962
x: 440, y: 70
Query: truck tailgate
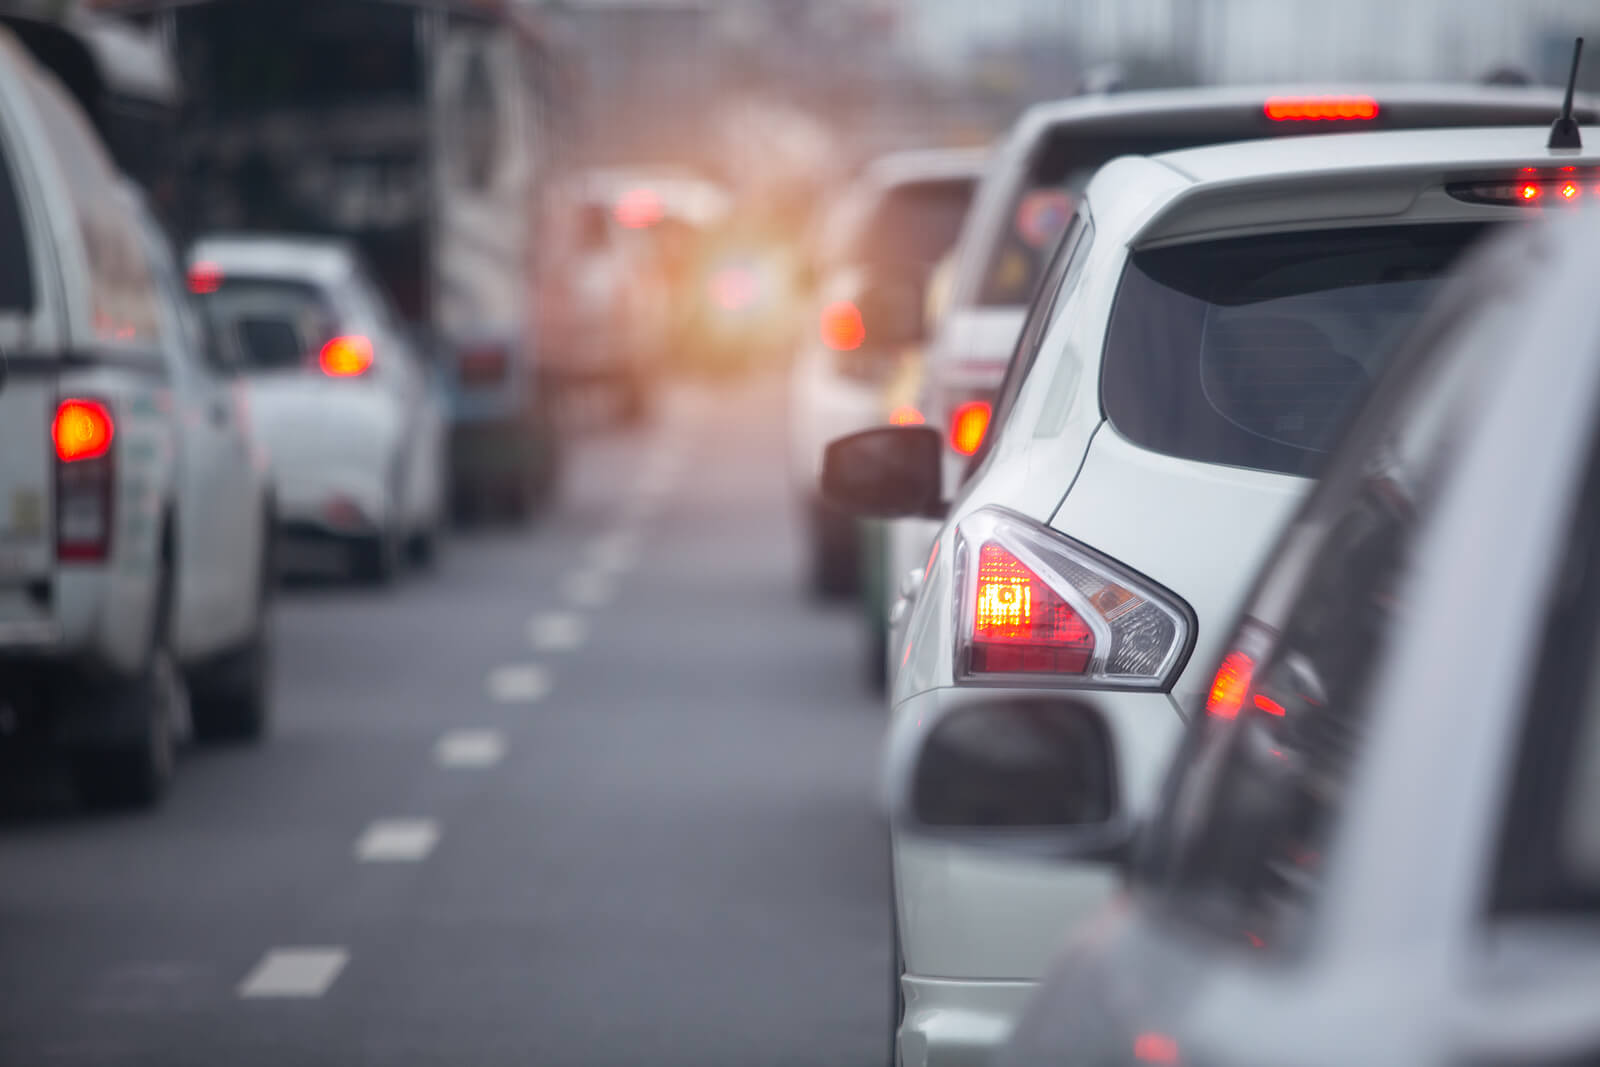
x: 27, y: 404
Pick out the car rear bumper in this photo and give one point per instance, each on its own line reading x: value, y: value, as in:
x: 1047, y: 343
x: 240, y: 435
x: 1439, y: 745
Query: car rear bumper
x: 957, y: 1024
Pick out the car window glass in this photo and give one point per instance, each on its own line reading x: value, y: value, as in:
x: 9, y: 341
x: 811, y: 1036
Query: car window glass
x: 122, y: 295
x: 271, y: 324
x: 1252, y: 805
x: 16, y: 268
x: 1065, y: 267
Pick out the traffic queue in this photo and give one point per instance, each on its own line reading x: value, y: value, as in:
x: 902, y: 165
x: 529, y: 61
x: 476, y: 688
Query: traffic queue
x: 1171, y: 313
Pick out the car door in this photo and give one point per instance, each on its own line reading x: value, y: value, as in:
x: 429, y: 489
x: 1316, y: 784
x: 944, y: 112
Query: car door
x: 220, y: 525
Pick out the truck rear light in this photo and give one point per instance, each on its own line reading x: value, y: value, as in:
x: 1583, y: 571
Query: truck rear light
x: 83, y: 432
x: 482, y: 365
x: 348, y: 356
x: 1034, y: 605
x: 842, y: 328
x: 968, y: 423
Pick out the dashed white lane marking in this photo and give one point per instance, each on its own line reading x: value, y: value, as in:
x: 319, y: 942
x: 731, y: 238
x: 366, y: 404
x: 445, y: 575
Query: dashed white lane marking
x: 397, y: 841
x: 518, y: 683
x: 470, y: 748
x: 557, y: 631
x: 294, y: 972
x: 589, y: 589
x: 616, y: 552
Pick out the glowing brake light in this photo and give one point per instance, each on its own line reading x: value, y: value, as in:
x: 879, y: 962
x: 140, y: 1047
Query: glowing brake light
x: 348, y: 356
x: 1229, y: 687
x: 82, y: 429
x: 968, y: 424
x: 1321, y: 108
x: 842, y: 328
x: 906, y: 415
x: 1021, y: 624
x: 204, y: 277
x: 638, y: 209
x: 1524, y: 191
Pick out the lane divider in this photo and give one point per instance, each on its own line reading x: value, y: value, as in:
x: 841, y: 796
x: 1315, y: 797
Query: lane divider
x: 294, y: 973
x: 397, y: 841
x: 557, y: 631
x: 470, y: 748
x: 518, y: 683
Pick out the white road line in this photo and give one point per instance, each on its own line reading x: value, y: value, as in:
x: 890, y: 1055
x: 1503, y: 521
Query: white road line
x: 589, y: 589
x: 294, y: 972
x: 397, y: 841
x: 518, y: 683
x: 557, y: 631
x: 617, y: 552
x: 470, y: 748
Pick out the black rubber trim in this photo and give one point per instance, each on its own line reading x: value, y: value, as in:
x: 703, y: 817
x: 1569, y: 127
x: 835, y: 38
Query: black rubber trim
x: 146, y: 362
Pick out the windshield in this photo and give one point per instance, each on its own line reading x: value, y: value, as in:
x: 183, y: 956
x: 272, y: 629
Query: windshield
x: 1253, y: 351
x: 269, y: 324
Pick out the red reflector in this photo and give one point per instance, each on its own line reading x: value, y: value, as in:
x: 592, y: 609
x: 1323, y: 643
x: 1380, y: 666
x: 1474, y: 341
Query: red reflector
x: 1229, y: 687
x: 906, y: 415
x: 1022, y: 625
x: 842, y: 329
x: 346, y: 357
x: 638, y: 209
x: 968, y: 424
x: 1321, y: 108
x: 205, y: 277
x: 1268, y: 705
x: 82, y: 429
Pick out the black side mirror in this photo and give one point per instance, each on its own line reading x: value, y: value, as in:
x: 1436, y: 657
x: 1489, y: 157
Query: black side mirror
x: 885, y: 473
x: 1031, y: 775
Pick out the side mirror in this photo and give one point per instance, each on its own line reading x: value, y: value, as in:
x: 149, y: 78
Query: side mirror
x: 1027, y: 775
x: 886, y: 473
x: 892, y: 313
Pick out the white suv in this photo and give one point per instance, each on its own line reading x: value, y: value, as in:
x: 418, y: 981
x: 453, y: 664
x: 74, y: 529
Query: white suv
x: 1220, y: 312
x: 135, y: 526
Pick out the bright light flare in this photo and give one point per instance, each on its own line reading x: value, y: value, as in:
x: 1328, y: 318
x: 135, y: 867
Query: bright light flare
x: 82, y: 429
x: 349, y: 356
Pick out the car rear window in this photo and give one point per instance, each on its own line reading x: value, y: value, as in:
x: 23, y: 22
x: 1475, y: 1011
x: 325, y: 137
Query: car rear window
x: 915, y: 222
x: 1253, y: 351
x: 16, y: 273
x: 270, y: 324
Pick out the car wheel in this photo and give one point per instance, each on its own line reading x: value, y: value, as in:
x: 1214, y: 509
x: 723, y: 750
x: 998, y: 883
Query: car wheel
x: 231, y: 700
x: 835, y: 553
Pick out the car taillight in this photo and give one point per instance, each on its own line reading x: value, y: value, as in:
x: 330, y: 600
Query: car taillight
x: 1321, y: 108
x: 1531, y: 189
x: 968, y: 423
x: 1035, y: 604
x: 1238, y: 683
x: 83, y: 432
x: 347, y: 356
x: 906, y: 415
x: 204, y: 277
x: 482, y: 365
x: 842, y: 328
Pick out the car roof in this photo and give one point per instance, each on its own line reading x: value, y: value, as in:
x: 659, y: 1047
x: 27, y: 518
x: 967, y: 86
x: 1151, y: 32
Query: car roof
x: 1181, y: 193
x: 926, y: 164
x: 324, y: 260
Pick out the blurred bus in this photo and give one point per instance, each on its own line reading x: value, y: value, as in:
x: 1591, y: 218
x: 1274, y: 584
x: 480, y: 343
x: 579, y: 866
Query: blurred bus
x: 419, y: 129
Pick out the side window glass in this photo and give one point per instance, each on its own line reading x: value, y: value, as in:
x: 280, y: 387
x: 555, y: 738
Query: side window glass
x: 16, y: 266
x: 1060, y: 276
x: 122, y: 293
x: 1252, y: 808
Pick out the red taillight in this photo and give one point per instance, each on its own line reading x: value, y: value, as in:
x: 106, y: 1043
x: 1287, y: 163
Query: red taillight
x: 1321, y: 108
x: 349, y: 356
x: 83, y: 432
x: 1020, y: 624
x: 968, y: 424
x: 906, y: 415
x: 842, y: 328
x: 638, y: 209
x: 1268, y: 705
x: 1525, y: 191
x: 1229, y: 687
x: 205, y: 277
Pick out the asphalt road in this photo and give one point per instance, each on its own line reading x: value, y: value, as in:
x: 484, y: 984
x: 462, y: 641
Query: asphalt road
x: 627, y: 772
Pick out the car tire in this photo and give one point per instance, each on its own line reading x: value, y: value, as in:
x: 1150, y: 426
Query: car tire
x: 136, y: 771
x: 375, y: 560
x: 835, y: 563
x: 231, y: 699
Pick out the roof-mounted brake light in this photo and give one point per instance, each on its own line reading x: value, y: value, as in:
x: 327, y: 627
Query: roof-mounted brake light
x: 1321, y: 108
x: 1527, y: 192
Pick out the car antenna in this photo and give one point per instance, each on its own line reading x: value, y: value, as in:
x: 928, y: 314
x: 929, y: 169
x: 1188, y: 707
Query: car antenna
x: 1564, y: 131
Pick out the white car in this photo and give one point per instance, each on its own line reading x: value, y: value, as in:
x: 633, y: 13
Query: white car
x: 873, y: 260
x: 1380, y: 840
x: 135, y: 509
x: 1220, y: 313
x: 354, y: 431
x: 1028, y: 194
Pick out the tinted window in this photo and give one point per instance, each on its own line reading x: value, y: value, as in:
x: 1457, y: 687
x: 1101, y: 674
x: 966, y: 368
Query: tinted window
x: 1256, y: 794
x: 1254, y: 351
x: 269, y: 324
x: 916, y: 223
x: 16, y: 272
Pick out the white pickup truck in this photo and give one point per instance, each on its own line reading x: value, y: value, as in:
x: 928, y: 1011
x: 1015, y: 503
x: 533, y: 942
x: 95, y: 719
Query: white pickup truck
x: 135, y: 513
